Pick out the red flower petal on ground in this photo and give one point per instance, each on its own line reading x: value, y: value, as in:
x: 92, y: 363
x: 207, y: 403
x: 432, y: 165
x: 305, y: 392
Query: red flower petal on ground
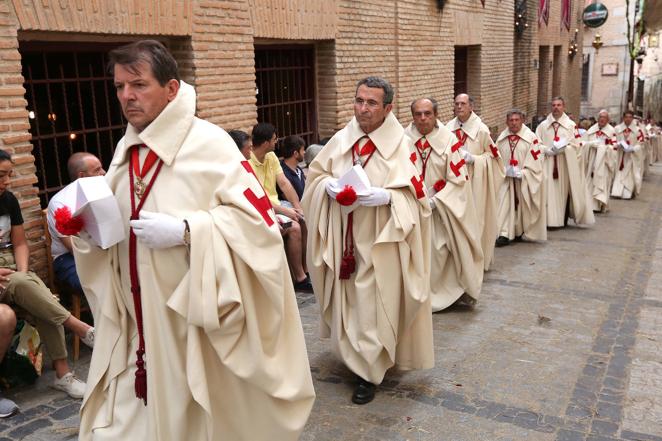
x: 439, y: 185
x: 67, y: 224
x: 347, y: 196
x: 513, y: 162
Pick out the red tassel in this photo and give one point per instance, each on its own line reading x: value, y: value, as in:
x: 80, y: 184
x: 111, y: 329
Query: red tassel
x: 347, y: 267
x: 141, y: 377
x: 347, y: 196
x: 65, y: 223
x: 513, y: 162
x: 622, y: 164
x: 555, y: 174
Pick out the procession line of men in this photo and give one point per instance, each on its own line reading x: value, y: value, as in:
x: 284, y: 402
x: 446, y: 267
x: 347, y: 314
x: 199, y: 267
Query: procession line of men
x: 197, y: 307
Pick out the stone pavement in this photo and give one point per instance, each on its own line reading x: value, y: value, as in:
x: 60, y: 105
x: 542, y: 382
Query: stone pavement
x: 565, y: 344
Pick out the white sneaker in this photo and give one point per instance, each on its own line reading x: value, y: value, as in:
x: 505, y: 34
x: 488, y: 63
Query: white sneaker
x: 89, y: 338
x: 71, y: 385
x: 7, y: 407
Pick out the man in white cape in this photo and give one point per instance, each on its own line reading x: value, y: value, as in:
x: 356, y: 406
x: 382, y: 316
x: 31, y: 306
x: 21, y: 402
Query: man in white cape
x: 630, y: 160
x: 369, y: 253
x: 522, y: 213
x: 218, y: 337
x: 457, y: 257
x: 600, y: 154
x: 486, y: 169
x: 565, y: 188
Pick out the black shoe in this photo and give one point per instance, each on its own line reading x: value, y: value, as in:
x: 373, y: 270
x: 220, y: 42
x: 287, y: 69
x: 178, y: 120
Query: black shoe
x: 502, y: 241
x: 304, y: 285
x: 364, y: 392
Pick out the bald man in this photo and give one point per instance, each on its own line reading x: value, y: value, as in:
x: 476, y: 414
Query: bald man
x: 79, y: 165
x: 599, y: 157
x: 487, y: 171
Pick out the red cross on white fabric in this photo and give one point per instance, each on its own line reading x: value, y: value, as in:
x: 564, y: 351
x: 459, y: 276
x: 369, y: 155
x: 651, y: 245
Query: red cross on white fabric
x: 418, y: 186
x: 261, y: 204
x: 535, y: 154
x: 456, y: 167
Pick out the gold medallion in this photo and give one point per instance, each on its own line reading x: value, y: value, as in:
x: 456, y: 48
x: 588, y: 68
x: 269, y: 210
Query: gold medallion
x: 140, y: 187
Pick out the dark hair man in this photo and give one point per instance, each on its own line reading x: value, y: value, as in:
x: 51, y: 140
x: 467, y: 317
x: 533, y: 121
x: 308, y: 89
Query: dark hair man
x: 199, y: 328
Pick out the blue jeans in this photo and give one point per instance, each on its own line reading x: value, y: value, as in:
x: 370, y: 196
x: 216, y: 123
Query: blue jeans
x: 65, y: 271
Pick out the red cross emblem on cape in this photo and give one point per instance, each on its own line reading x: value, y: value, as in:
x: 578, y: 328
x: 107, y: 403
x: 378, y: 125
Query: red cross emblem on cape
x: 535, y: 154
x: 262, y: 204
x: 456, y: 167
x: 495, y: 150
x: 418, y: 186
x: 456, y: 146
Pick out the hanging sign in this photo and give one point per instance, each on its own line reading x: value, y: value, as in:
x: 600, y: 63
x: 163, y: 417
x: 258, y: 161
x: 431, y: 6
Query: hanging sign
x: 595, y: 15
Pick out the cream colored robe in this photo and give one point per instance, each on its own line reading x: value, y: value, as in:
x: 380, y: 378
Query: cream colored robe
x: 529, y: 218
x: 570, y: 184
x: 599, y: 162
x: 225, y: 353
x: 457, y: 257
x: 380, y: 316
x: 486, y: 175
x: 628, y: 179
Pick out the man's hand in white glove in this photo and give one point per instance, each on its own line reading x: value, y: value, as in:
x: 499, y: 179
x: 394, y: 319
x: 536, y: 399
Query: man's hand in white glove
x: 468, y: 157
x: 552, y: 151
x: 377, y: 196
x: 331, y: 187
x: 158, y: 230
x: 513, y: 172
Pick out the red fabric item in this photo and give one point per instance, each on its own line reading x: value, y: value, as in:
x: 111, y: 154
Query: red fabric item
x: 439, y: 185
x: 412, y: 157
x: 495, y: 150
x: 348, y: 261
x: 140, y: 383
x: 67, y: 224
x: 262, y: 204
x: 535, y: 154
x: 514, y: 162
x: 347, y: 196
x: 555, y: 173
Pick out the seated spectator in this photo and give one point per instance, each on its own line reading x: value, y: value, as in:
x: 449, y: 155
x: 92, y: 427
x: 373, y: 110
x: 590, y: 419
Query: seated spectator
x: 7, y: 326
x: 293, y: 152
x: 311, y: 152
x: 80, y: 165
x: 21, y: 287
x: 270, y: 174
x: 243, y: 141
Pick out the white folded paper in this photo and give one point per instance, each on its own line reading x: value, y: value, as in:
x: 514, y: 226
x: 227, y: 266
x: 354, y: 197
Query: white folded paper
x: 560, y: 144
x: 97, y: 205
x: 355, y: 178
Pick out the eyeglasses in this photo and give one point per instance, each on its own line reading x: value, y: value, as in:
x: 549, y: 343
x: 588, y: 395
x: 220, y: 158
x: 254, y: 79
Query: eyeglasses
x: 372, y: 104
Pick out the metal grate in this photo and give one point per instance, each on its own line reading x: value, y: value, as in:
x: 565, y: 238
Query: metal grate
x: 73, y: 108
x: 285, y: 80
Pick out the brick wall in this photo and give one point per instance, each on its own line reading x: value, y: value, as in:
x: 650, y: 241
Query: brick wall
x: 15, y: 137
x: 409, y: 42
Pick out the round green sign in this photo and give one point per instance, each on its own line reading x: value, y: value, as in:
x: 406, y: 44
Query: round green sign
x: 595, y: 15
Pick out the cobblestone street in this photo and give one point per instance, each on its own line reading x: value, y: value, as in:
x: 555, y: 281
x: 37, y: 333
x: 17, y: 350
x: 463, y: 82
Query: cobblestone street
x: 565, y: 344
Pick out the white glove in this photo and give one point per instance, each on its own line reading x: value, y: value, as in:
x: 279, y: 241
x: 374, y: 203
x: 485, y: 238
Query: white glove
x: 158, y: 230
x: 377, y: 196
x: 513, y: 172
x: 331, y: 188
x: 468, y: 157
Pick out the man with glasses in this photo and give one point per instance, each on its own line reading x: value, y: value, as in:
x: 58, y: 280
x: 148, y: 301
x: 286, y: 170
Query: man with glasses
x: 486, y: 172
x: 369, y: 252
